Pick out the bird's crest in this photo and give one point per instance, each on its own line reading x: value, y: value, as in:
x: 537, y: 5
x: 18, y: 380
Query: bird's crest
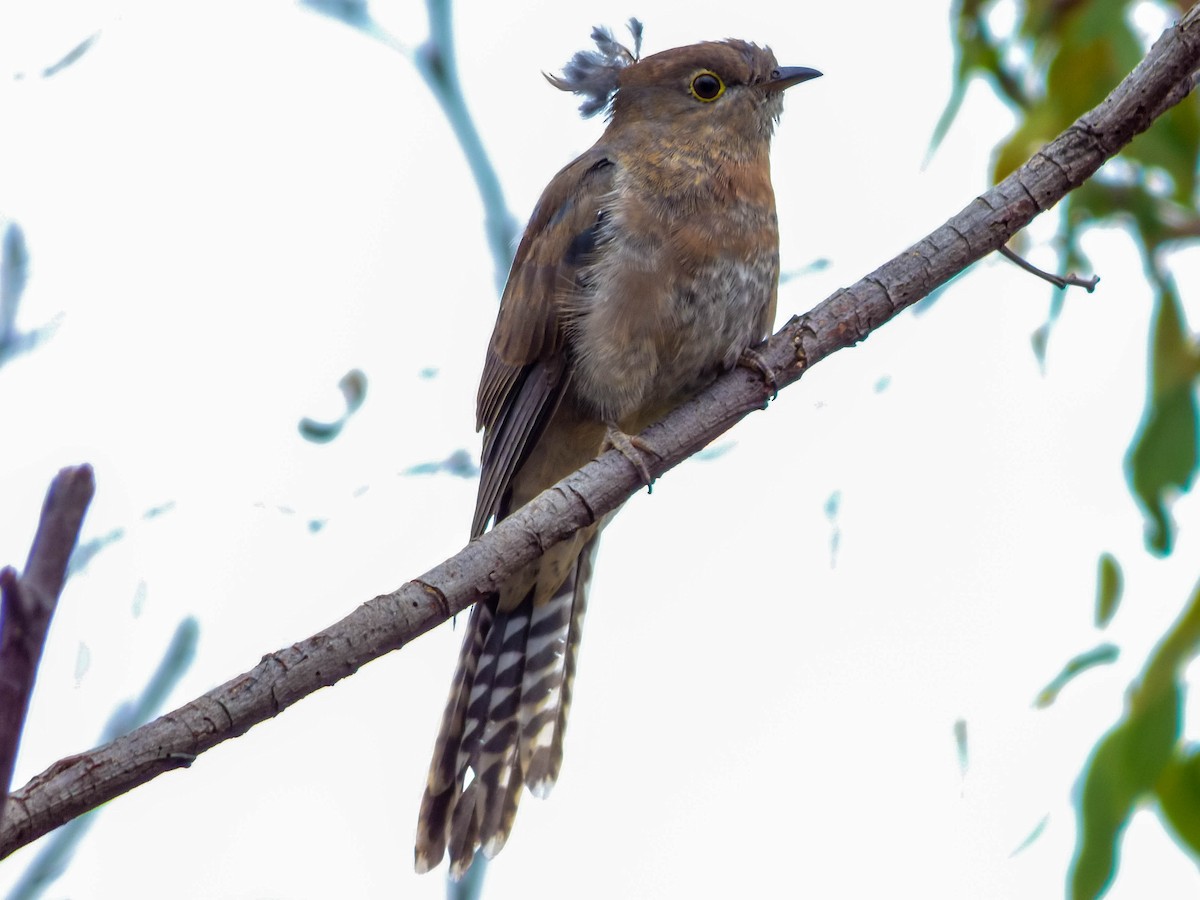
x: 592, y: 74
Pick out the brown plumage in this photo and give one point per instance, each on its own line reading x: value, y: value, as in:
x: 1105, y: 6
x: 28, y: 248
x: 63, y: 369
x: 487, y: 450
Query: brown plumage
x: 649, y: 266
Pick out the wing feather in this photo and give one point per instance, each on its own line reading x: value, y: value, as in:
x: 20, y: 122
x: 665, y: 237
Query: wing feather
x: 527, y: 369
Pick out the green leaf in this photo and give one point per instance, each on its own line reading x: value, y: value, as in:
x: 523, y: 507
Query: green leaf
x: 353, y: 386
x: 1033, y: 835
x: 1172, y: 144
x: 1126, y: 764
x: 1178, y: 794
x: 1097, y: 201
x: 1068, y: 95
x: 320, y: 432
x: 1097, y: 656
x: 1109, y: 584
x: 1088, y: 37
x: 1173, y: 653
x: 1038, y: 341
x: 964, y: 67
x: 1131, y: 760
x: 1164, y: 455
x: 975, y: 54
x: 458, y: 463
x: 1039, y: 127
x: 72, y: 56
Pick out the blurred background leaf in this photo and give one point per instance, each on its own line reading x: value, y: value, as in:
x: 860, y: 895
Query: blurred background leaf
x: 1049, y: 62
x: 1109, y: 585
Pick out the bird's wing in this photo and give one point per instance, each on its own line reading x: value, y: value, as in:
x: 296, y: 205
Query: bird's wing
x: 527, y: 368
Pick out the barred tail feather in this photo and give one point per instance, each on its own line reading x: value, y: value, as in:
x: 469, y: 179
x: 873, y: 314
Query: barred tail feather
x: 550, y: 675
x: 464, y: 832
x: 495, y: 763
x: 504, y: 723
x: 445, y: 771
x: 583, y: 580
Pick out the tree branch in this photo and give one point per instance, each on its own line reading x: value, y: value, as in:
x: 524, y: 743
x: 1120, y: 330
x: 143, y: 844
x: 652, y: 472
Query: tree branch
x: 27, y: 605
x: 74, y: 785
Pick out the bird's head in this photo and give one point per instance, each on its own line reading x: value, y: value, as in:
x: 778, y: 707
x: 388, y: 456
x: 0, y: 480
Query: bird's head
x: 734, y: 86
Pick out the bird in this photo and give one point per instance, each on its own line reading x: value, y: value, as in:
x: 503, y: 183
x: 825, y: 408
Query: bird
x: 650, y: 265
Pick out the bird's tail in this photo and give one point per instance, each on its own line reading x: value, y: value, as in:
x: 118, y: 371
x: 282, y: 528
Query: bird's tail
x: 504, y: 722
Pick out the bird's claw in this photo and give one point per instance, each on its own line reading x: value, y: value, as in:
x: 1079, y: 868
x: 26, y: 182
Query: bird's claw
x: 752, y: 359
x: 632, y: 447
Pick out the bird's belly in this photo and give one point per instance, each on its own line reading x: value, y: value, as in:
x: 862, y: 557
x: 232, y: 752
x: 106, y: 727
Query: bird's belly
x: 640, y: 357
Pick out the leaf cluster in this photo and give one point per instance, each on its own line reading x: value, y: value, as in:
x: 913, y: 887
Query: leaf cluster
x: 1050, y: 61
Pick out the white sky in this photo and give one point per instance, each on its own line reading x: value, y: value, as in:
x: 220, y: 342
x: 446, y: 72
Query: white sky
x: 230, y: 204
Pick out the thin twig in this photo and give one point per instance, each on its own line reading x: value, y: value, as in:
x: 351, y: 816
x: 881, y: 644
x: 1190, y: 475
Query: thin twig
x: 1059, y: 281
x: 435, y: 60
x: 14, y: 272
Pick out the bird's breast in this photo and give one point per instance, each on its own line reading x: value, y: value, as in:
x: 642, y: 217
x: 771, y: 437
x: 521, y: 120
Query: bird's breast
x: 674, y: 294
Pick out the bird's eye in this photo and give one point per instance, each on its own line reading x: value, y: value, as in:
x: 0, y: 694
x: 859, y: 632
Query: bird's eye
x: 707, y: 86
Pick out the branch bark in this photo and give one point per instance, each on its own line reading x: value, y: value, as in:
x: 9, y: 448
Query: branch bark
x: 27, y: 605
x: 77, y: 784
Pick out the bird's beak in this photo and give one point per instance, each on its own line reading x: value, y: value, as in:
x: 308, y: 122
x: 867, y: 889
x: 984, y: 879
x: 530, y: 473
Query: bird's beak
x: 786, y: 76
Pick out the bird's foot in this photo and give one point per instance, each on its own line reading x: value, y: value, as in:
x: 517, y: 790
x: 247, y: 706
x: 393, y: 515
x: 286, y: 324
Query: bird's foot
x: 752, y: 359
x: 632, y: 447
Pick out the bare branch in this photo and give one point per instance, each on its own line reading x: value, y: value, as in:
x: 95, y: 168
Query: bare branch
x: 74, y: 785
x: 435, y: 60
x: 27, y: 604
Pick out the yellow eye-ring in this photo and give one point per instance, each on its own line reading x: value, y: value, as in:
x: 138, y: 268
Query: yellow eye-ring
x: 707, y: 86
